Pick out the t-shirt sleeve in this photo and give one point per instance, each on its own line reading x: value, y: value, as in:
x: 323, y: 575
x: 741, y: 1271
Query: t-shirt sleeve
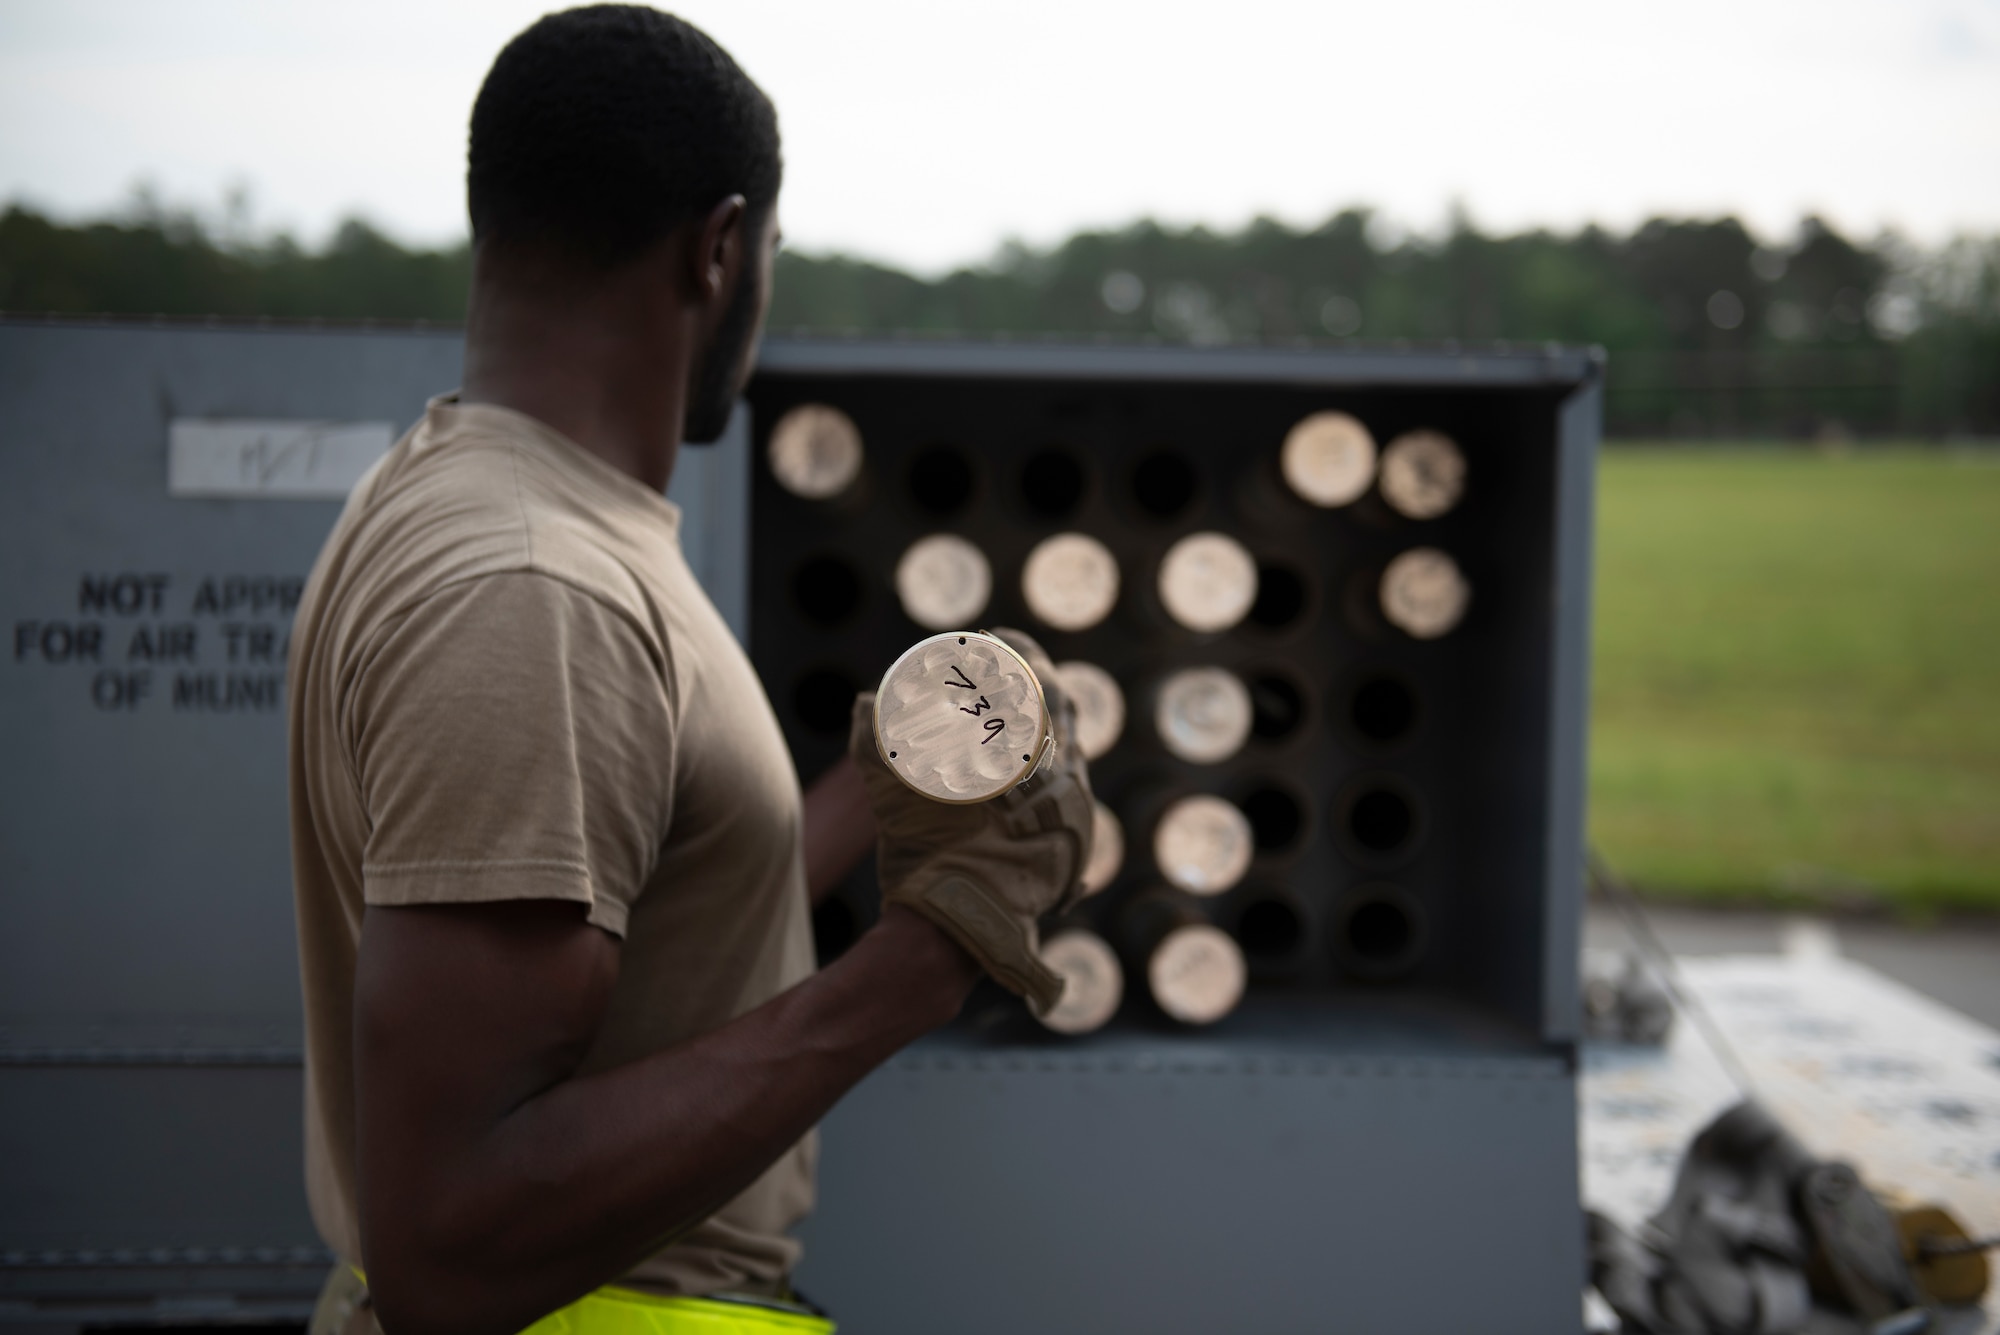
x: 513, y: 738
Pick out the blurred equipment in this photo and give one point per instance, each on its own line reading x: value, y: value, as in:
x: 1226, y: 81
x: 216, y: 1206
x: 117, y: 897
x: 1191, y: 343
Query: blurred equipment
x: 1624, y: 1001
x: 1757, y: 1230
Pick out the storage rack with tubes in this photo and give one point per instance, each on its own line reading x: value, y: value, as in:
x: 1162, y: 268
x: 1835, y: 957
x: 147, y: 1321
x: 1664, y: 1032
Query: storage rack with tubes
x: 1320, y: 609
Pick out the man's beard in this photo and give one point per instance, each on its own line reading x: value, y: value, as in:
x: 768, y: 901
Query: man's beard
x: 725, y: 365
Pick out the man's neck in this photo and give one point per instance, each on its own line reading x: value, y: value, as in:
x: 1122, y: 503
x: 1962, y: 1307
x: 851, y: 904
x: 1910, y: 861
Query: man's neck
x: 584, y: 359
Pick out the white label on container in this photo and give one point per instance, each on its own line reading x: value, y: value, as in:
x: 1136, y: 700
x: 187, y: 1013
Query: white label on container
x: 272, y: 460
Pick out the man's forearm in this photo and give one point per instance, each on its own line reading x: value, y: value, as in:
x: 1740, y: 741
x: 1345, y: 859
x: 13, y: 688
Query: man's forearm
x: 839, y: 827
x: 573, y: 1186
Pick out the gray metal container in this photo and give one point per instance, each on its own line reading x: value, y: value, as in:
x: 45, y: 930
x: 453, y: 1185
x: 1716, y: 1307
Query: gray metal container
x: 1397, y: 1159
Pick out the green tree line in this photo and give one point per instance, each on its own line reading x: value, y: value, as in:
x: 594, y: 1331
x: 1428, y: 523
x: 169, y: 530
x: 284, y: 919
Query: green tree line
x: 1711, y: 333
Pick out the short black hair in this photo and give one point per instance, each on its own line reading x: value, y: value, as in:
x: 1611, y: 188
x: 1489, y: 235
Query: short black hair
x: 600, y: 130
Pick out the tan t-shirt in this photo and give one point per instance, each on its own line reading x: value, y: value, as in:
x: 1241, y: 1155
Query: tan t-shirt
x: 506, y: 684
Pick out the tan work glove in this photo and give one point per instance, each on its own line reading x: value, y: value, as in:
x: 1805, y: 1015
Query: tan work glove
x: 986, y: 871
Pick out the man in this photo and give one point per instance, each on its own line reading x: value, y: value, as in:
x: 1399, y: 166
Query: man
x: 565, y: 1047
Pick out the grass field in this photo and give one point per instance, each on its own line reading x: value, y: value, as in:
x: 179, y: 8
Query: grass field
x: 1797, y: 675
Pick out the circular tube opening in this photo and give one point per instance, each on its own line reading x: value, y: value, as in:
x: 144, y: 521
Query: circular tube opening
x: 1107, y: 850
x: 1093, y: 982
x: 1207, y: 582
x: 1379, y: 933
x: 826, y: 589
x: 1070, y: 581
x: 1277, y: 819
x: 1281, y: 596
x: 1203, y: 844
x: 1163, y: 484
x: 1052, y: 484
x: 1328, y: 459
x: 940, y: 480
x: 1383, y: 710
x: 823, y: 699
x: 1100, y: 705
x: 1423, y: 474
x: 815, y: 452
x: 1277, y: 706
x: 1380, y: 819
x: 943, y: 582
x: 1203, y: 715
x: 1271, y: 928
x: 1196, y: 974
x: 1424, y: 593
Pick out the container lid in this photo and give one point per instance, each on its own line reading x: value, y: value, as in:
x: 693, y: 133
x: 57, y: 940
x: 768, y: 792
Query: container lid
x: 1423, y: 474
x: 1197, y: 974
x: 1100, y: 705
x: 1107, y: 849
x: 1070, y: 581
x: 1328, y: 459
x: 1203, y: 844
x: 943, y: 581
x: 1424, y: 593
x: 815, y: 451
x: 1208, y: 582
x: 1203, y: 714
x: 961, y: 717
x: 1093, y: 984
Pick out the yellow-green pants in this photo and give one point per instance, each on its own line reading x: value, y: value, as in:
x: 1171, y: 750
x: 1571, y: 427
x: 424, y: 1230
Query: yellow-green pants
x: 344, y: 1309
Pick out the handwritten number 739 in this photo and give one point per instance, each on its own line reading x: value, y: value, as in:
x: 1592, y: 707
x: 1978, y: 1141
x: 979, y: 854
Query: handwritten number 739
x: 993, y: 726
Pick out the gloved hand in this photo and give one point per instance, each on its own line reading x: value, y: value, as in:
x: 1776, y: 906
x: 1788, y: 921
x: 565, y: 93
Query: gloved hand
x: 986, y: 871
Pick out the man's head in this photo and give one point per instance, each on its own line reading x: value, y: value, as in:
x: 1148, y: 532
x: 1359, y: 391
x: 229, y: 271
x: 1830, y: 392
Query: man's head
x: 604, y: 132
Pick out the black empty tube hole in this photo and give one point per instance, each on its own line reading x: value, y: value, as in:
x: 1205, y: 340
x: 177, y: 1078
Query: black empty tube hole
x: 1277, y: 706
x: 1281, y: 596
x: 827, y: 590
x: 1380, y: 932
x: 1381, y: 820
x: 940, y: 480
x: 1277, y: 819
x: 1383, y: 710
x: 1270, y: 928
x: 1052, y: 484
x: 835, y: 927
x: 1163, y: 484
x: 823, y: 699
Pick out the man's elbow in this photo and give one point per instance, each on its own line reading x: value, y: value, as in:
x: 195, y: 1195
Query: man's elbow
x: 416, y: 1294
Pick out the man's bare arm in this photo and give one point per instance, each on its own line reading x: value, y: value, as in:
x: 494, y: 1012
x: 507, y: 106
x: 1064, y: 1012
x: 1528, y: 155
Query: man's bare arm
x: 840, y: 827
x: 497, y: 1185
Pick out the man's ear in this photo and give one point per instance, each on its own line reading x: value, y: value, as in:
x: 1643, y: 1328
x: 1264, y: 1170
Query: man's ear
x: 722, y: 248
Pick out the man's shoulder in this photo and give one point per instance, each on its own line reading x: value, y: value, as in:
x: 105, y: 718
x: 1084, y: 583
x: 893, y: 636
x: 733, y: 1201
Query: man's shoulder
x: 439, y: 514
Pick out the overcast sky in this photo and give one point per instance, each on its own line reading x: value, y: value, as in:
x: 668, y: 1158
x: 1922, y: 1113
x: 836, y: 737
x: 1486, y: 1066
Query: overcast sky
x: 925, y: 133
